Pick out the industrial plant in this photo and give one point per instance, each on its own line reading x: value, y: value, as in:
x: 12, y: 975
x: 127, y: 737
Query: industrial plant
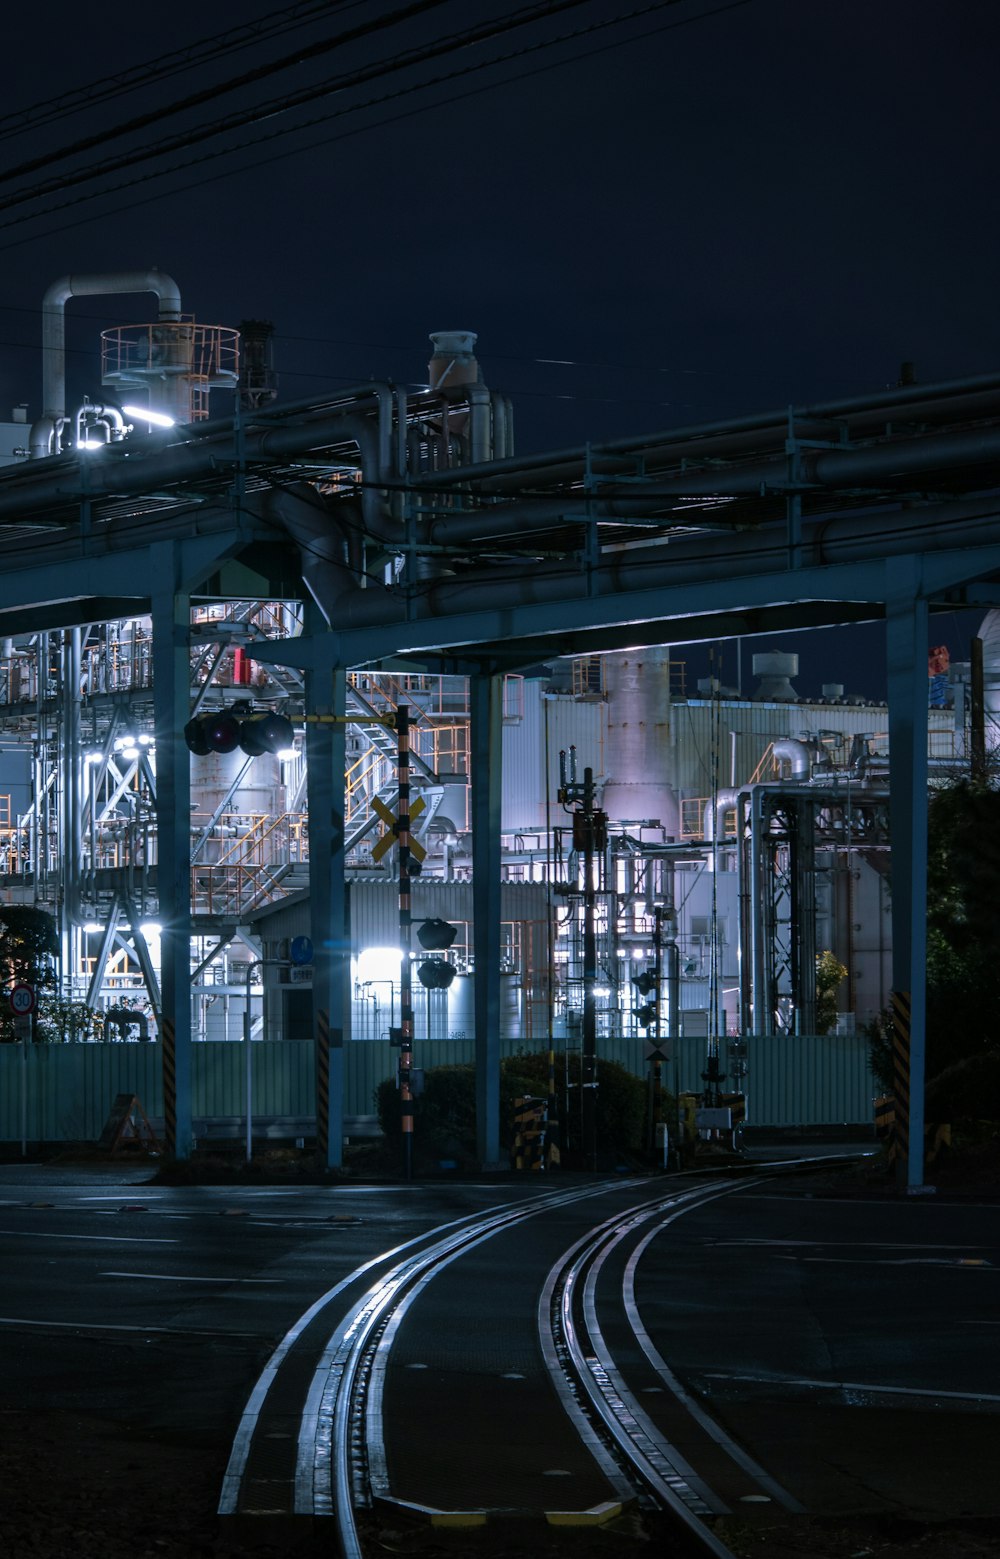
x: 288, y: 687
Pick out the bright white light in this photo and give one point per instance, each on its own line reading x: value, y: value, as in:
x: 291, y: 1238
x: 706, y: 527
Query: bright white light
x: 561, y: 956
x: 131, y: 753
x: 122, y: 742
x: 156, y: 419
x: 145, y: 741
x: 286, y: 754
x: 601, y: 990
x: 92, y: 757
x: 150, y: 928
x: 638, y: 953
x: 623, y: 952
x: 92, y: 927
x: 90, y: 443
x: 379, y: 963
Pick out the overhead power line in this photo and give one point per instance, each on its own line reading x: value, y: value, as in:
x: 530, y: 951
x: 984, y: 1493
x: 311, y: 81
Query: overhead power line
x: 120, y: 83
x: 209, y: 94
x: 372, y: 71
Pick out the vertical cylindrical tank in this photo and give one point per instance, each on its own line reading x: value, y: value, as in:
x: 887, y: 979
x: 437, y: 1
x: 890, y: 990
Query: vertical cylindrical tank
x: 638, y: 788
x: 259, y: 792
x: 989, y: 632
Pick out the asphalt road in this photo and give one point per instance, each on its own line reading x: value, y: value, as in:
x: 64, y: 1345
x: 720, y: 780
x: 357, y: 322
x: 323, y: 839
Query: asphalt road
x: 852, y: 1344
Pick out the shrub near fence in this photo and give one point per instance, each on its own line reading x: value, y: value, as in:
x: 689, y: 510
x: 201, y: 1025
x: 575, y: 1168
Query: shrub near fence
x: 66, y: 1091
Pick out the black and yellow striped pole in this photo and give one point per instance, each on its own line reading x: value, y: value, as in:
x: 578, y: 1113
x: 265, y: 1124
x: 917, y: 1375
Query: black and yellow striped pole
x: 322, y: 1082
x: 168, y: 1056
x: 900, y: 1148
x: 405, y: 924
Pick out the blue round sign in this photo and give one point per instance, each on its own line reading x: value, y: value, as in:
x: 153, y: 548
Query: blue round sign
x: 300, y: 950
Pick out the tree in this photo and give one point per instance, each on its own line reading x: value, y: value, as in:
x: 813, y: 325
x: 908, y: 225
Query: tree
x: 963, y: 938
x: 829, y: 974
x: 963, y: 924
x: 28, y: 943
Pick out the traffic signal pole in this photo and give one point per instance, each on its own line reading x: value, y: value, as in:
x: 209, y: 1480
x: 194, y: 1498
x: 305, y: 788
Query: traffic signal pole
x: 405, y: 926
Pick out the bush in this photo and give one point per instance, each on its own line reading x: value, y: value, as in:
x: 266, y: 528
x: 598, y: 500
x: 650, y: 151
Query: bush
x: 445, y: 1112
x: 969, y: 1090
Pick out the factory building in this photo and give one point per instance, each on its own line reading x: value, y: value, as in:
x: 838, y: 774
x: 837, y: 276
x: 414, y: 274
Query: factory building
x: 672, y: 855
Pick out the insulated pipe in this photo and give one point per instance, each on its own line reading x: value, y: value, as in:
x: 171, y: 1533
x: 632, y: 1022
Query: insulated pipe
x: 974, y: 396
x: 713, y: 822
x: 54, y: 320
x: 852, y: 468
x: 330, y: 558
x: 128, y: 472
x: 681, y: 562
x: 481, y: 438
x: 788, y: 750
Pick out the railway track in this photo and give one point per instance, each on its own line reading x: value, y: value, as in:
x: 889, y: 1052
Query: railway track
x: 317, y: 1434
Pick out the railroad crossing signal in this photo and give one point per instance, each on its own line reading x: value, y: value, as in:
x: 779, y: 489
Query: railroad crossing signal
x: 224, y: 730
x: 657, y: 1050
x: 391, y: 821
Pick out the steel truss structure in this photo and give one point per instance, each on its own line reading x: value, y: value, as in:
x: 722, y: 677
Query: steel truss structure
x: 357, y: 547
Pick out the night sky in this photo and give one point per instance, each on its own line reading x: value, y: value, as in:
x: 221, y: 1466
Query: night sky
x: 706, y: 210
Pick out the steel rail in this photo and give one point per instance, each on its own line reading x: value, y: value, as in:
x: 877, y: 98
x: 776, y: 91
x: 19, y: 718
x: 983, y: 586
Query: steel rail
x: 347, y: 1380
x: 629, y: 1447
x: 670, y: 1380
x: 236, y: 1469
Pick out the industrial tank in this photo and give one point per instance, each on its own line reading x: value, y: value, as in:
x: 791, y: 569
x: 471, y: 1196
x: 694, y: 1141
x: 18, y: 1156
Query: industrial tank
x: 637, y: 760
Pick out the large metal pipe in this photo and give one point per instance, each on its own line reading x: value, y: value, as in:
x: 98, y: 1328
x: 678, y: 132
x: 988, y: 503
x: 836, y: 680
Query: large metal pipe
x: 869, y: 466
x: 789, y: 750
x: 957, y: 399
x: 131, y: 470
x: 689, y: 561
x: 54, y: 322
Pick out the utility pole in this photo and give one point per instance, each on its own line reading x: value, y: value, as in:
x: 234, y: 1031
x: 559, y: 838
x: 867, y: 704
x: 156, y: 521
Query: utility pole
x: 405, y: 926
x: 590, y: 838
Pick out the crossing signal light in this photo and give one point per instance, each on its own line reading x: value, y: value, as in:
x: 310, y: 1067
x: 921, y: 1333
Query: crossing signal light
x: 266, y: 732
x: 435, y: 974
x: 223, y: 731
x: 436, y: 935
x: 219, y: 732
x: 644, y: 982
x: 646, y: 1014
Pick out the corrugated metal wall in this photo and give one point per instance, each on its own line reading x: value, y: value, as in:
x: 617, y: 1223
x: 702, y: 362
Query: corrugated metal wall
x: 67, y: 1090
x: 571, y: 723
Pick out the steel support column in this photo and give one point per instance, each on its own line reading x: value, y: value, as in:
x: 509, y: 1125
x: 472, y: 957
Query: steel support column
x: 171, y: 702
x: 326, y: 747
x: 485, y: 739
x: 906, y: 650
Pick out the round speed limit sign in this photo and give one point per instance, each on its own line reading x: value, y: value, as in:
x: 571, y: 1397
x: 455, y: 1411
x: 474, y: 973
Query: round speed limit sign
x: 22, y: 1000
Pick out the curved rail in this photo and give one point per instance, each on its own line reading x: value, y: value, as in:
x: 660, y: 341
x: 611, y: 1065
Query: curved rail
x: 340, y: 1460
x: 333, y: 1448
x: 635, y: 1456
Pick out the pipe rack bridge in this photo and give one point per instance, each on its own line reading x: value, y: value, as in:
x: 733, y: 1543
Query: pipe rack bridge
x: 883, y: 507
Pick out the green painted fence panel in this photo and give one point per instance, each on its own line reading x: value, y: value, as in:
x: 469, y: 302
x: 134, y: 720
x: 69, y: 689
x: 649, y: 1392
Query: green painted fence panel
x: 63, y: 1093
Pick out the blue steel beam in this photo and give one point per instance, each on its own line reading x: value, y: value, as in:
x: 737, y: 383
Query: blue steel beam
x: 485, y: 754
x: 906, y: 650
x: 127, y: 574
x: 658, y: 614
x: 326, y: 758
x: 171, y: 701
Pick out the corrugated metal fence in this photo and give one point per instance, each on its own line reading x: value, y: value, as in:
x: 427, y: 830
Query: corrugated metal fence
x: 63, y: 1093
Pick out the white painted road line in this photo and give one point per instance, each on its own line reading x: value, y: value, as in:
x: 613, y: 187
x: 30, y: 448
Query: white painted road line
x: 167, y: 1277
x: 32, y: 1322
x: 99, y: 1239
x: 854, y: 1385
